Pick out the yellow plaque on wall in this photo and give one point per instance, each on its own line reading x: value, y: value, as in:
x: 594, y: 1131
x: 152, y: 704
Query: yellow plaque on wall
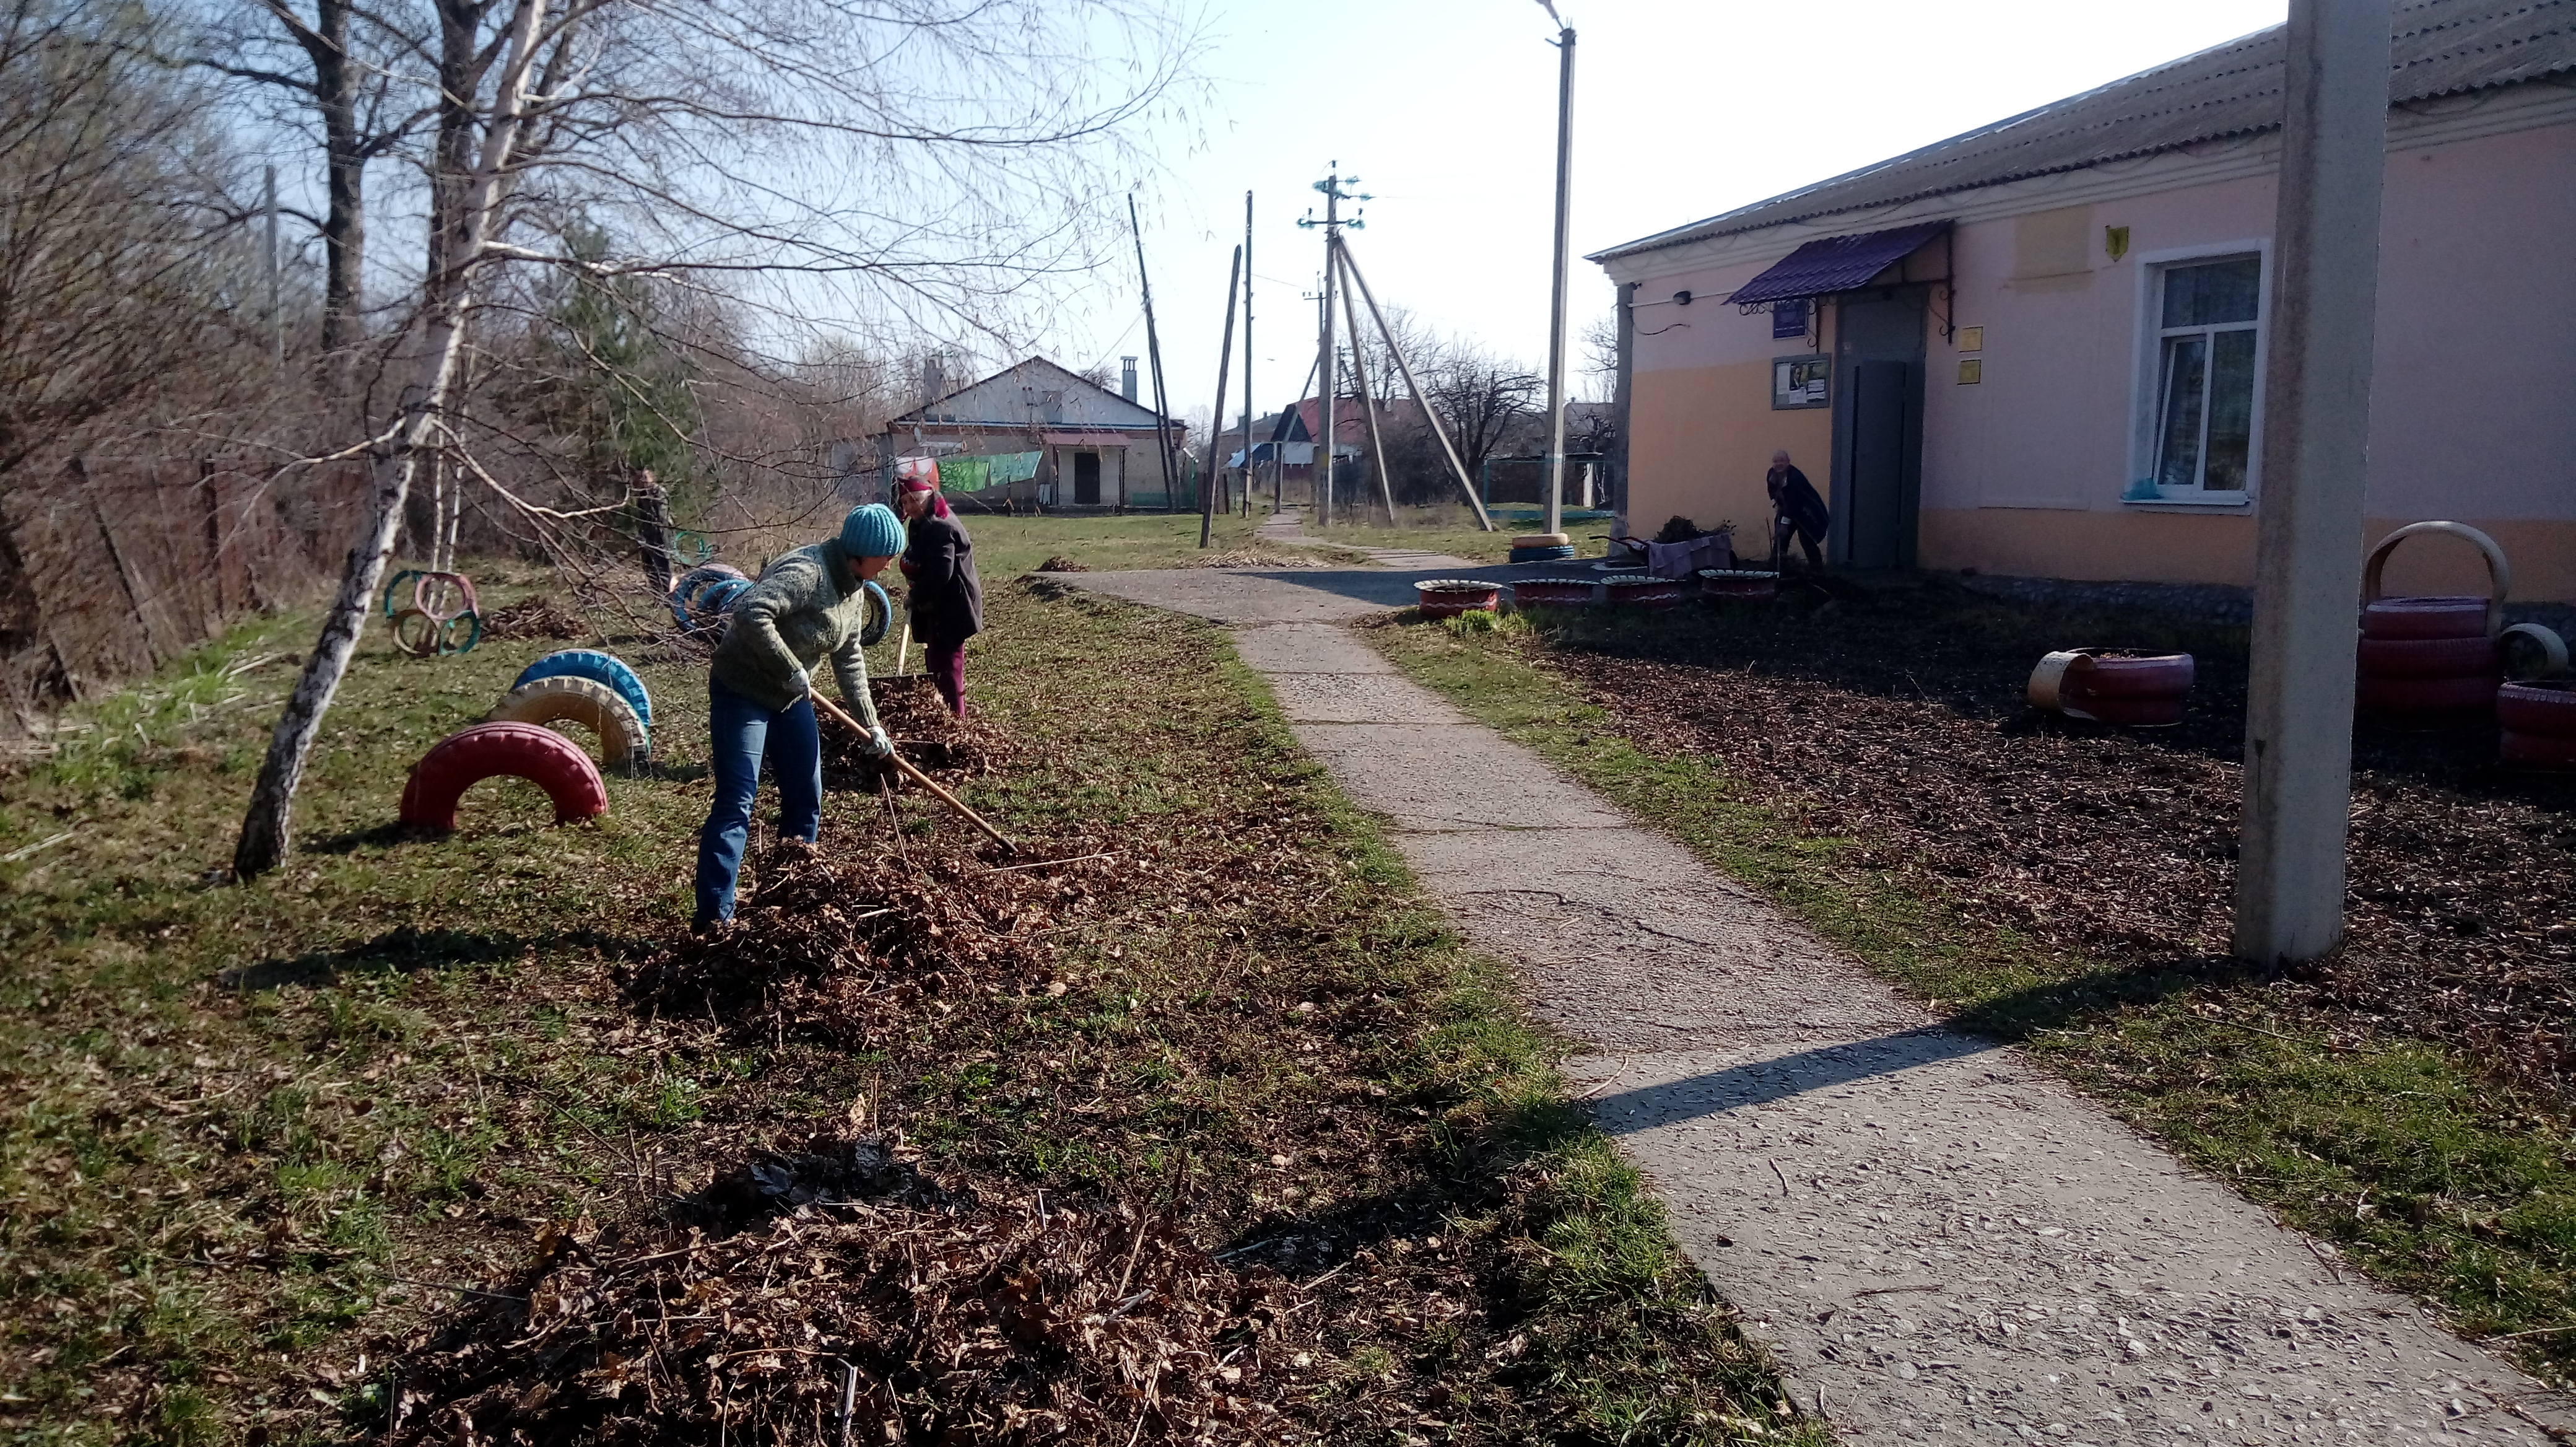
x: 1972, y: 339
x: 1971, y: 369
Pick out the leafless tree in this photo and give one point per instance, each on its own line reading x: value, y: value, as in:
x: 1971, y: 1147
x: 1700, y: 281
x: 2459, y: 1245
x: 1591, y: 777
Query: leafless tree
x: 119, y: 265
x: 1481, y: 396
x: 924, y: 158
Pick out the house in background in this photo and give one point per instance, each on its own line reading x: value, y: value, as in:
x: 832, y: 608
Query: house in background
x: 1055, y: 438
x: 2038, y: 348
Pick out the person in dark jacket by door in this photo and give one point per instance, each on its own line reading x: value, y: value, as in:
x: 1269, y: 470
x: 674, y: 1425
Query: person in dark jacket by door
x: 947, y: 598
x: 1796, y: 509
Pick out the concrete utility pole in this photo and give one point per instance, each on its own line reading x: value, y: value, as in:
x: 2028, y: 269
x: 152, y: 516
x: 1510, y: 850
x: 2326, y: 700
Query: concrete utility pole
x: 1556, y: 288
x: 1216, y: 419
x: 2316, y: 426
x: 1154, y: 360
x: 1327, y: 361
x: 1247, y: 354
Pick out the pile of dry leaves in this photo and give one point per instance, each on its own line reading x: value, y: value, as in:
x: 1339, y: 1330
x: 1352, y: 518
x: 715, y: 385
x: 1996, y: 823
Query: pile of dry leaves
x: 531, y: 620
x: 844, y: 1320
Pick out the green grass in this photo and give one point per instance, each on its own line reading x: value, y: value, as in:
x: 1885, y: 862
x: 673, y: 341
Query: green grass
x: 1006, y: 547
x: 246, y: 1131
x: 2428, y: 1175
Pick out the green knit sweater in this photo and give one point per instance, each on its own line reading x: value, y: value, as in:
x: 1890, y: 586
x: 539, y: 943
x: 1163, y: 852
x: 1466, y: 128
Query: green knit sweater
x: 807, y: 606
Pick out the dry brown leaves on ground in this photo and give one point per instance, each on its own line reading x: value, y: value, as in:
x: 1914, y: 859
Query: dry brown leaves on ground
x: 533, y: 620
x: 1257, y: 557
x: 1900, y: 721
x: 847, y: 1321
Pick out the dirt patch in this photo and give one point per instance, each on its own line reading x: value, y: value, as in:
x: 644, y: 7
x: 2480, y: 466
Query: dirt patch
x: 1899, y: 720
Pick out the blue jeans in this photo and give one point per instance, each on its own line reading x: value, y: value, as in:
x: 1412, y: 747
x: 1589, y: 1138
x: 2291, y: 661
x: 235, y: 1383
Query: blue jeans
x: 739, y: 732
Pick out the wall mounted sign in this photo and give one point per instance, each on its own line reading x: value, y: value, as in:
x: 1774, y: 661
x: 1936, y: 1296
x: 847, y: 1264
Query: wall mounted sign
x: 1972, y: 339
x: 1801, y: 382
x: 1972, y: 370
x: 1789, y: 319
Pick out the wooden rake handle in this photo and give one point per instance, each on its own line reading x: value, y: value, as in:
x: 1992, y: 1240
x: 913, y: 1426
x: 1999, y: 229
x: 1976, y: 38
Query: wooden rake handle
x: 826, y: 706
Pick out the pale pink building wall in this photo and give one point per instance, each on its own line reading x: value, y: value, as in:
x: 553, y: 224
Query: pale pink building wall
x: 2474, y: 408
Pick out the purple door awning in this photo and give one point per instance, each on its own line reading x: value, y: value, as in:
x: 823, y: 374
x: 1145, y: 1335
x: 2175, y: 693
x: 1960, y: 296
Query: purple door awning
x: 1837, y: 263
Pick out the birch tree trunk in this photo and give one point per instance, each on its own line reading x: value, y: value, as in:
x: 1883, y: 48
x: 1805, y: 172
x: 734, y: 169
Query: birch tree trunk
x: 267, y: 835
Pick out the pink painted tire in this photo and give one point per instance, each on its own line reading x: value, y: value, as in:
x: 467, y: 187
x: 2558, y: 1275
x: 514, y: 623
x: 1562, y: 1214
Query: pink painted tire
x: 1552, y: 593
x: 2148, y: 713
x: 2464, y: 657
x: 2429, y: 617
x: 1449, y: 597
x: 518, y: 750
x: 2428, y: 695
x: 2163, y: 675
x: 2537, y: 710
x: 2537, y: 751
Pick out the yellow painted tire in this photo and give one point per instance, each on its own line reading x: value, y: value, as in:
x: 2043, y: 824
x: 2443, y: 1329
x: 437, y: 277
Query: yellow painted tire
x: 623, y: 742
x: 1542, y: 540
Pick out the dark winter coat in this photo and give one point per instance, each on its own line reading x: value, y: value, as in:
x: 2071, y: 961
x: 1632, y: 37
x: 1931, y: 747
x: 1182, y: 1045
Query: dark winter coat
x: 947, y: 598
x: 1795, y: 499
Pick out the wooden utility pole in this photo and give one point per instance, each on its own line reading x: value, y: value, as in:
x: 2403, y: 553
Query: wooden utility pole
x: 1368, y: 399
x: 276, y: 287
x: 2316, y: 426
x: 1154, y: 359
x: 1247, y: 353
x: 1556, y: 287
x: 1216, y: 424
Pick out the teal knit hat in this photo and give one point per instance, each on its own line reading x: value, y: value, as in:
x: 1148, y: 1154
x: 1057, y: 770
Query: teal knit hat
x: 871, y: 531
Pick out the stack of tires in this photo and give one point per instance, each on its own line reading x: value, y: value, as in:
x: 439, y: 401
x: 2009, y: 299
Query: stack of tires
x: 1542, y: 548
x: 2428, y: 659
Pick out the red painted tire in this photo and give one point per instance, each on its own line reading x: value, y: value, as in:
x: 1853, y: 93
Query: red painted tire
x: 1552, y: 593
x: 1449, y: 597
x: 2475, y: 694
x: 2164, y: 675
x: 519, y: 750
x: 2429, y: 657
x: 2539, y: 751
x: 1646, y: 592
x: 2537, y: 709
x: 2432, y: 617
x: 1734, y: 585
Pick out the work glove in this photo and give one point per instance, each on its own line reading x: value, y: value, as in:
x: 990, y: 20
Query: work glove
x: 801, y: 684
x: 878, y: 745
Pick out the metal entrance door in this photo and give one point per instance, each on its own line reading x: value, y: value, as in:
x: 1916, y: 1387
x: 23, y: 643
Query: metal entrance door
x: 1878, y: 429
x: 1086, y: 479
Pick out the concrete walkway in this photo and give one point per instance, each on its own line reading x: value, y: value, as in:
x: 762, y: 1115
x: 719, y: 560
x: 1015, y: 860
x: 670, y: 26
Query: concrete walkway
x: 1941, y: 1242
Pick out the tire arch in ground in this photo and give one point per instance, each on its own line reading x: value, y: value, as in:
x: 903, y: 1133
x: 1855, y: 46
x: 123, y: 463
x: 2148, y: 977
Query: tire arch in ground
x: 598, y: 667
x: 624, y: 744
x: 494, y: 750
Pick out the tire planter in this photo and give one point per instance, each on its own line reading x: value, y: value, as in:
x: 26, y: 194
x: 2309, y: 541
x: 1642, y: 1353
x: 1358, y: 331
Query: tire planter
x: 2429, y: 657
x: 2135, y: 691
x: 492, y: 750
x: 1551, y: 553
x: 716, y: 600
x: 1657, y: 593
x: 624, y: 745
x: 1449, y: 597
x: 1554, y: 593
x: 596, y: 666
x: 2433, y: 656
x: 1738, y: 585
x: 2537, y: 751
x: 2532, y: 708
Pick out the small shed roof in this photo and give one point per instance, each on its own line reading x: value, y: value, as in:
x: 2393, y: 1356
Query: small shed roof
x: 2441, y: 47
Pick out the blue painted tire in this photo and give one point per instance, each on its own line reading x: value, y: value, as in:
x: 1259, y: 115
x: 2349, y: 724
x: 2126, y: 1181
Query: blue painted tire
x: 880, y: 615
x: 405, y: 576
x: 684, y: 593
x: 596, y: 666
x: 717, y: 599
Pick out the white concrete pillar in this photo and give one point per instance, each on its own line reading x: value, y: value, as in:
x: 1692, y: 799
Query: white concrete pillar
x: 2316, y: 425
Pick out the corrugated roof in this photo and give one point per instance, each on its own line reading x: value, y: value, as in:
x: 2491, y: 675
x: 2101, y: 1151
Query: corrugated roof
x: 2442, y: 47
x: 1836, y: 263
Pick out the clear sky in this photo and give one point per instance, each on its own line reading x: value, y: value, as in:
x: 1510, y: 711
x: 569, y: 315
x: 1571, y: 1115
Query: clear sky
x: 1446, y: 110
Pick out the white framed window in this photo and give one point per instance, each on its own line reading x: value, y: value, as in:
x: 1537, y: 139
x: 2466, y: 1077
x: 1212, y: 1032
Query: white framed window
x: 2201, y: 375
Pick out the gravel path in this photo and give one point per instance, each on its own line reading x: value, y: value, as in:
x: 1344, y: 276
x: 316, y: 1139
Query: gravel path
x: 1941, y: 1242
